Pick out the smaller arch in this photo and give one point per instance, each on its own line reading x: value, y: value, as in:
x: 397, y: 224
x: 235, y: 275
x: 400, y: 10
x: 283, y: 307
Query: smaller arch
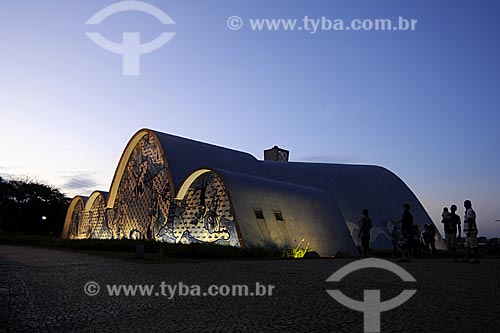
x: 94, y: 217
x: 93, y: 197
x: 213, y: 221
x: 189, y: 181
x: 78, y: 200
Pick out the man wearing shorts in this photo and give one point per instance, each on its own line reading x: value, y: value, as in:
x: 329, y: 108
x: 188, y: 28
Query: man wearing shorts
x: 406, y: 232
x: 470, y: 230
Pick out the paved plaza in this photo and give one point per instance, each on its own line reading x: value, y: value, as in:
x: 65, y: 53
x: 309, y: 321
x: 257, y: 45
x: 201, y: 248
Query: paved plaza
x: 43, y: 290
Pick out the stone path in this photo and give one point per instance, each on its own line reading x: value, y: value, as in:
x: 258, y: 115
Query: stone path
x: 43, y: 290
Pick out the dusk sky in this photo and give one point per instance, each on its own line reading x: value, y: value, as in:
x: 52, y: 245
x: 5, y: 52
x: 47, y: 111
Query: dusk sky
x: 425, y: 103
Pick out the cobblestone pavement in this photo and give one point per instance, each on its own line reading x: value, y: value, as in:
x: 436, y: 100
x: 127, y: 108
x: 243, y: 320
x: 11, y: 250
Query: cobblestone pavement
x: 42, y: 290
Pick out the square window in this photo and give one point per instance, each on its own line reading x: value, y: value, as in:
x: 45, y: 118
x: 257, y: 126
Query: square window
x: 258, y: 213
x: 278, y: 215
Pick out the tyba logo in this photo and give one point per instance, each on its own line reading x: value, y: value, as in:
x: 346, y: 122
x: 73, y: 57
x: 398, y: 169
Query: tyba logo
x: 371, y: 306
x: 131, y: 49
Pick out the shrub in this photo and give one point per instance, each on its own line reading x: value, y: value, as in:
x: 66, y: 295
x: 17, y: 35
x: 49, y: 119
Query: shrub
x: 199, y: 250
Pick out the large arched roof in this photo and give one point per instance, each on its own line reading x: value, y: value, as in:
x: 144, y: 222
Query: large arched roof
x: 342, y: 189
x: 185, y: 155
x: 308, y: 213
x: 356, y: 187
x: 182, y: 156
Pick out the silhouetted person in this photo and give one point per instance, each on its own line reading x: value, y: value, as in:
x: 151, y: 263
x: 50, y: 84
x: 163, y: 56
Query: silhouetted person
x: 470, y: 230
x: 416, y: 242
x: 406, y: 232
x: 445, y: 214
x: 432, y: 239
x: 425, y: 237
x: 149, y: 233
x: 395, y: 240
x: 429, y: 236
x: 451, y: 226
x: 365, y: 226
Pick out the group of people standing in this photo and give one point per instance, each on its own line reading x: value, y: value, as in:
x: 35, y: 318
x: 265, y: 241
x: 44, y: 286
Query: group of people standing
x: 410, y: 240
x: 452, y: 230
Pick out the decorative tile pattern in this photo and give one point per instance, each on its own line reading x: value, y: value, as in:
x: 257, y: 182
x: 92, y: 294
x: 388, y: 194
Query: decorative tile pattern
x: 144, y: 207
x: 76, y: 218
x: 203, y: 216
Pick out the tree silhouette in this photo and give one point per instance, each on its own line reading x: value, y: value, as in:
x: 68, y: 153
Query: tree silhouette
x: 30, y: 207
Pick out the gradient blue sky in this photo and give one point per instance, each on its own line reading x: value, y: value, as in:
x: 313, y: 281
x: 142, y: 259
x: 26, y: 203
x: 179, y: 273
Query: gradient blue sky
x: 424, y: 104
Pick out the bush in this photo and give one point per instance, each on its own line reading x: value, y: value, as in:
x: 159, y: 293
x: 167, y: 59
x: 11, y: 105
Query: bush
x: 128, y: 245
x: 202, y: 250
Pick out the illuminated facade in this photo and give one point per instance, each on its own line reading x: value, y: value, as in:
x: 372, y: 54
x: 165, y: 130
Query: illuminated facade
x: 177, y: 190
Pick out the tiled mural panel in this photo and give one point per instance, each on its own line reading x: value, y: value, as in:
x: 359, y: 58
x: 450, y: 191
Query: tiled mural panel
x: 144, y: 207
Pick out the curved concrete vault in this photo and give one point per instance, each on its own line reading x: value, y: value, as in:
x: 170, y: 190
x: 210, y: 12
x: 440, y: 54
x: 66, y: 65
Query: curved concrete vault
x: 178, y: 190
